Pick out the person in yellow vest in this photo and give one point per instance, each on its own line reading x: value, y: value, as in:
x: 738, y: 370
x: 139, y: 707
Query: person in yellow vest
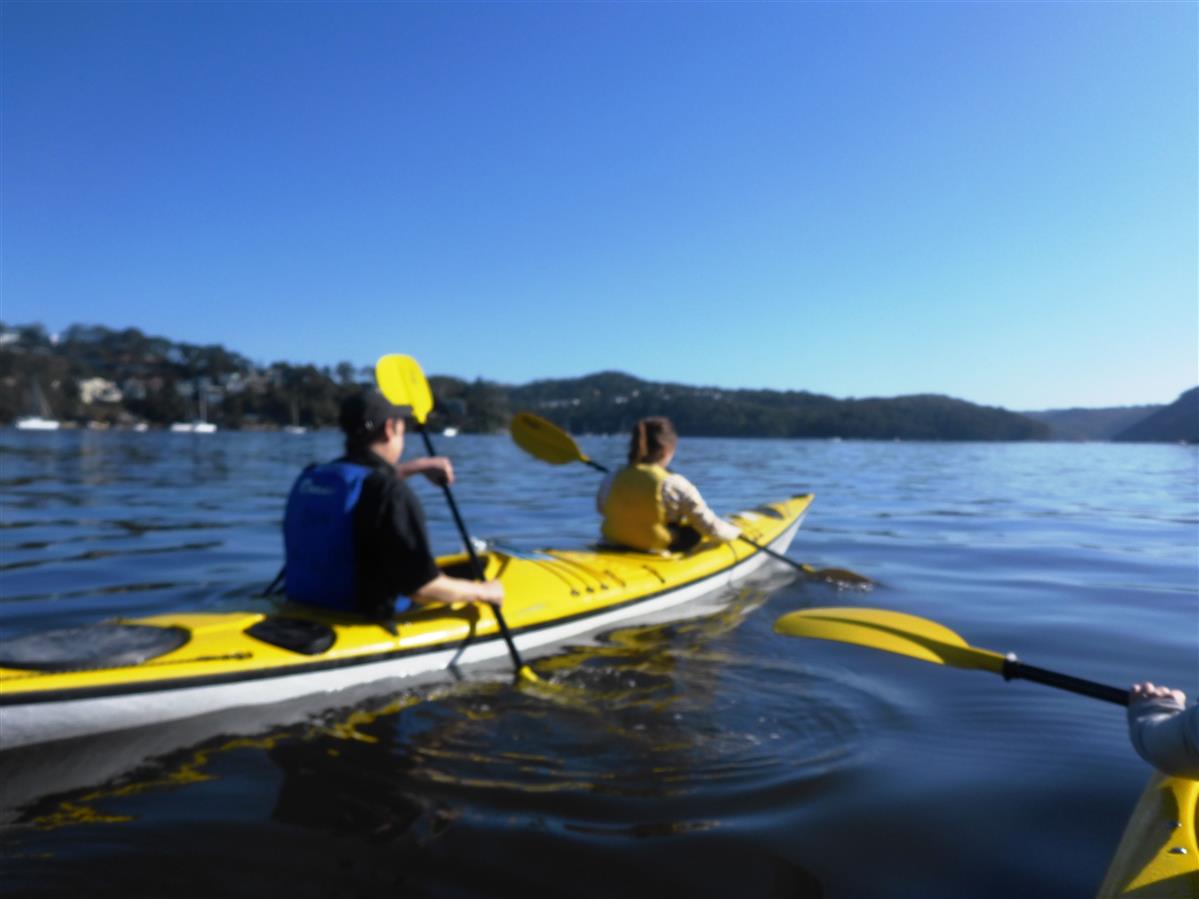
x: 648, y: 508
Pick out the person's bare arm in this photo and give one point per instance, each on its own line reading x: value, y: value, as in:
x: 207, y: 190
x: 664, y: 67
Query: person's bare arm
x: 684, y: 503
x: 438, y: 469
x: 446, y: 589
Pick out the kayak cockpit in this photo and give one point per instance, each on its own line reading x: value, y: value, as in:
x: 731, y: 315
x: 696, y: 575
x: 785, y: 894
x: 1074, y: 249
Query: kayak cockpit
x: 105, y: 645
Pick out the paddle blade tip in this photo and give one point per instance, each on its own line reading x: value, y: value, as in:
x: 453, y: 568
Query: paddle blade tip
x: 527, y: 675
x: 790, y: 625
x: 402, y: 381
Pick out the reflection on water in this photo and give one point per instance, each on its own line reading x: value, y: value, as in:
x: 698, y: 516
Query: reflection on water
x: 635, y: 746
x: 402, y: 791
x: 704, y: 757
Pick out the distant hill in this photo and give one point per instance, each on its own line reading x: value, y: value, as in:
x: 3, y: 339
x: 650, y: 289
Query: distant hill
x: 610, y: 402
x: 1178, y: 421
x: 1091, y: 424
x: 94, y: 376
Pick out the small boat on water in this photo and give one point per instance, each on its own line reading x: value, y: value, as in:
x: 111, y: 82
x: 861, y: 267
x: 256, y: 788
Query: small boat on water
x: 37, y: 423
x: 193, y: 427
x: 40, y: 419
x: 133, y: 673
x: 200, y: 425
x: 295, y: 427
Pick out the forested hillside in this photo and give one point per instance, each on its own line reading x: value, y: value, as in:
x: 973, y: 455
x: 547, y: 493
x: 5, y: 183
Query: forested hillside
x: 1091, y: 424
x: 1177, y: 422
x: 610, y: 402
x: 92, y: 375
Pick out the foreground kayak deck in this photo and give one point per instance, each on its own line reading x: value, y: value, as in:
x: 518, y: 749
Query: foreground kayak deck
x: 177, y: 666
x: 1158, y: 855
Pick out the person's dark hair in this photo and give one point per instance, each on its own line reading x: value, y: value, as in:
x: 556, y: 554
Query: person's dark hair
x: 652, y: 439
x: 364, y: 416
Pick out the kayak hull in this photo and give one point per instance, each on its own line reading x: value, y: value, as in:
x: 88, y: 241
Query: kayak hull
x: 551, y: 597
x: 1158, y: 856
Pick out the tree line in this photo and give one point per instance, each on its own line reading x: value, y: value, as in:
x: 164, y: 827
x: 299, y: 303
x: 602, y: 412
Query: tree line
x: 160, y: 381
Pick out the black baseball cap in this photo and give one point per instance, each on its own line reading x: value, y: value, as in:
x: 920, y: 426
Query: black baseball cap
x: 363, y: 413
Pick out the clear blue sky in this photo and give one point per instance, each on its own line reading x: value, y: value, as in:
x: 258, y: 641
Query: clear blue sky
x: 992, y: 201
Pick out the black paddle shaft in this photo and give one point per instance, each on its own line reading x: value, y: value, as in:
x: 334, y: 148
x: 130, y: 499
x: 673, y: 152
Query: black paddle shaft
x: 1014, y: 669
x: 475, y: 564
x: 775, y: 554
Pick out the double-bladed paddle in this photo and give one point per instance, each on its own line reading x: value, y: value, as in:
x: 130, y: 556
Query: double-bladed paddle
x: 919, y: 638
x: 546, y: 441
x: 403, y: 383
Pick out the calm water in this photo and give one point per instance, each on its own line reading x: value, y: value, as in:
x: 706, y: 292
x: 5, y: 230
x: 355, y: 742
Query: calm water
x: 705, y: 758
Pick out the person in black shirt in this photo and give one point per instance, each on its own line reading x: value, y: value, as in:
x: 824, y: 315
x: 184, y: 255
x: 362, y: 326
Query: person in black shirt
x: 355, y: 533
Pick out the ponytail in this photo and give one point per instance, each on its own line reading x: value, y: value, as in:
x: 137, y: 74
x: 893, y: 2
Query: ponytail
x: 652, y: 439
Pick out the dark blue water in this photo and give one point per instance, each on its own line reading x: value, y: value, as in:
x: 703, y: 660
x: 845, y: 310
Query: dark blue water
x: 704, y: 758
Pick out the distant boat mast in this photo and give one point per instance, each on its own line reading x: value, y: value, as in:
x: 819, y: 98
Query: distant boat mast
x: 200, y: 425
x: 40, y: 420
x: 295, y: 427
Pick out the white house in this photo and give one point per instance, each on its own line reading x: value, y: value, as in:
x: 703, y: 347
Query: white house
x: 94, y: 390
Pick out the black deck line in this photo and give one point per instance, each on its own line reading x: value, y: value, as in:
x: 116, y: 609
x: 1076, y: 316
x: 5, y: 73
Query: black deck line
x: 69, y: 694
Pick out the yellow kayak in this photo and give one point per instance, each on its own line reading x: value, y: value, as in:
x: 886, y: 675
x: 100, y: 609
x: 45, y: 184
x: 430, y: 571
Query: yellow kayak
x: 1158, y: 856
x: 132, y: 673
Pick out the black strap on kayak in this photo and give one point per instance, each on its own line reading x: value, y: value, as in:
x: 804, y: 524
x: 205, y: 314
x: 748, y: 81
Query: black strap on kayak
x: 298, y: 635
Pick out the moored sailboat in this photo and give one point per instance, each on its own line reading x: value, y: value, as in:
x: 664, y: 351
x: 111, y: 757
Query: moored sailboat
x: 200, y: 425
x: 295, y: 427
x: 41, y: 419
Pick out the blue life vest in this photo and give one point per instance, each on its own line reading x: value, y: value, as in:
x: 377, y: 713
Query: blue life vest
x: 318, y: 535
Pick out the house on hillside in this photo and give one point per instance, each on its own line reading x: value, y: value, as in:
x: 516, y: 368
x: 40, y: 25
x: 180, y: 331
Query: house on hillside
x: 99, y: 390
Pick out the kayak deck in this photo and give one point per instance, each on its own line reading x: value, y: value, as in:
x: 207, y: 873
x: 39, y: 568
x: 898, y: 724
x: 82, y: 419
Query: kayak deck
x: 1158, y: 855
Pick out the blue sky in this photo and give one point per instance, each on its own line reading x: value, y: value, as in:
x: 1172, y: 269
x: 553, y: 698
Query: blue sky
x: 992, y: 201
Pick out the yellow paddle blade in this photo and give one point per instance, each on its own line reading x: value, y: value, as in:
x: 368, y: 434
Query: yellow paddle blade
x: 528, y: 675
x: 889, y: 631
x: 403, y: 383
x: 544, y: 439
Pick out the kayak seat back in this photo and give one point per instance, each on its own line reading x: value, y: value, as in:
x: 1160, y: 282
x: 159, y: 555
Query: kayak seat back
x: 310, y: 638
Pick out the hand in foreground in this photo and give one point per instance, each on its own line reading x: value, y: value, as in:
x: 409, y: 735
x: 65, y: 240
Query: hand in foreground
x: 1148, y: 690
x: 1163, y: 731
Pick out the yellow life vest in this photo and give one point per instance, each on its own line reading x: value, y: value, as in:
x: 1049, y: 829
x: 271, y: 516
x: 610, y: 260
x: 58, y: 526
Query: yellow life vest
x: 633, y: 512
